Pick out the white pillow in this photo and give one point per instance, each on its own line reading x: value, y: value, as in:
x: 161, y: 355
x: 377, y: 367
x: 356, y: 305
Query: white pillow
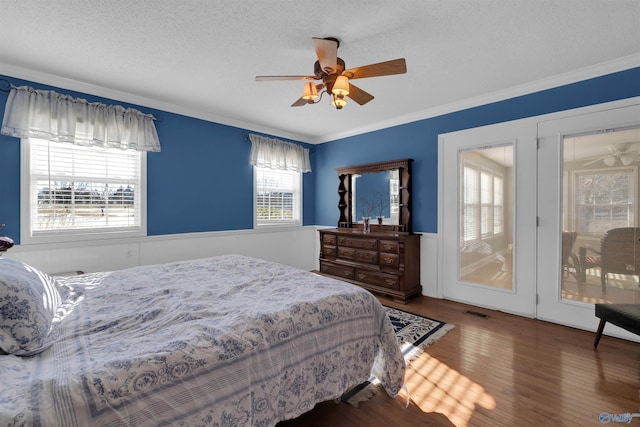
x: 28, y: 302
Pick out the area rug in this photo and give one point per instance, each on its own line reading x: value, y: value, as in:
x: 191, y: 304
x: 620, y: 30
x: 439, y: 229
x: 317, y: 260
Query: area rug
x: 415, y: 333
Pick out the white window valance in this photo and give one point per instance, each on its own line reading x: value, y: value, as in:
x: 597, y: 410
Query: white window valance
x: 275, y: 154
x: 48, y: 115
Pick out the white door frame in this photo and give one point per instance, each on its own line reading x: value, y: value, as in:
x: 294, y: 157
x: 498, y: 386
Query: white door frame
x: 522, y: 135
x: 551, y: 132
x: 610, y: 330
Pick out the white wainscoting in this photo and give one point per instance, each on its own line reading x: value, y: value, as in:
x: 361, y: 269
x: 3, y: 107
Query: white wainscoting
x: 299, y: 247
x: 294, y: 247
x: 429, y: 262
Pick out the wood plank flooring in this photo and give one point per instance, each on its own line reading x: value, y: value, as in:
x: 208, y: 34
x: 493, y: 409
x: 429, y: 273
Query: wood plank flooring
x: 502, y: 371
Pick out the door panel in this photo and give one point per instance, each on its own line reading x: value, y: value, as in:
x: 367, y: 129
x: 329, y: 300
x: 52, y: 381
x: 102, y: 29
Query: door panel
x: 591, y: 187
x: 488, y: 218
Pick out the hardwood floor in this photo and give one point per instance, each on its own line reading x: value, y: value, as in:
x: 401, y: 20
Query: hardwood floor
x: 502, y: 371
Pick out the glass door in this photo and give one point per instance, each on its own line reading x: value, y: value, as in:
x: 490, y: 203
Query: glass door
x: 488, y: 216
x: 485, y: 216
x: 589, y: 243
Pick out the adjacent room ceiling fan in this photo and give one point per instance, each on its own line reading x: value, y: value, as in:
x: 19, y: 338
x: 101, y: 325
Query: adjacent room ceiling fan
x: 335, y: 78
x: 625, y: 152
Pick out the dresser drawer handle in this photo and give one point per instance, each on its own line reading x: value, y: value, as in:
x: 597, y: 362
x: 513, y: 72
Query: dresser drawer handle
x: 390, y: 282
x: 362, y: 276
x: 388, y: 260
x: 387, y: 247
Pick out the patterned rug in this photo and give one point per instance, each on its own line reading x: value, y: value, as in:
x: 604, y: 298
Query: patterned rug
x: 415, y: 333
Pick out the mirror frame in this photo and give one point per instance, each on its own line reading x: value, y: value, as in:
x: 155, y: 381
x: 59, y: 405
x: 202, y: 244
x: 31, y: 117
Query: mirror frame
x: 345, y: 201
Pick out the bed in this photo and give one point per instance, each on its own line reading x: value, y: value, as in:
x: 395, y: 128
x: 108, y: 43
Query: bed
x: 222, y: 341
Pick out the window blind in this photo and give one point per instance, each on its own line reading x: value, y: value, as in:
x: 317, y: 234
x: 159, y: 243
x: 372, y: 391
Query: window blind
x: 277, y: 196
x: 605, y: 200
x: 482, y: 203
x: 83, y: 188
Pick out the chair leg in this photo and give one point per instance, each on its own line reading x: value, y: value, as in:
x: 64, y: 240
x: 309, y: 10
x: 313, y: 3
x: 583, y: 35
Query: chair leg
x: 599, y: 333
x: 578, y: 273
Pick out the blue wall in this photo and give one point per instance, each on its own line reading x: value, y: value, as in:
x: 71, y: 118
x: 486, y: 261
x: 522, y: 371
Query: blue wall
x: 419, y: 141
x: 200, y: 181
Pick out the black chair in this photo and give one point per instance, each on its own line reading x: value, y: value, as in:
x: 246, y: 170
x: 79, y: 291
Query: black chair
x: 570, y: 261
x: 625, y: 316
x: 619, y: 253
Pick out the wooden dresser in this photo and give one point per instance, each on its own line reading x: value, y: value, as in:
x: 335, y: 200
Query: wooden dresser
x: 385, y: 262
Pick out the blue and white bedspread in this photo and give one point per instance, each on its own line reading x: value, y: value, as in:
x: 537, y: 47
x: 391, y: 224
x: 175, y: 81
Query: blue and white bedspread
x: 223, y: 341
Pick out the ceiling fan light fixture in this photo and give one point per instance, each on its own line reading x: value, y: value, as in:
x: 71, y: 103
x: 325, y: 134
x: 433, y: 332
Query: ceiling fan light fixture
x: 309, y: 91
x: 341, y: 86
x: 338, y: 101
x: 609, y: 161
x: 336, y: 78
x: 627, y: 159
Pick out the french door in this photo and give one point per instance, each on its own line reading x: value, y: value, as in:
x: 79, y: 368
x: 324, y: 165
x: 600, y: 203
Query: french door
x: 525, y: 205
x: 487, y: 216
x: 590, y: 186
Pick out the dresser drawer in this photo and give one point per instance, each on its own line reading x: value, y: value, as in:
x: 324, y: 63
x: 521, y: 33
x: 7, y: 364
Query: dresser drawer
x: 329, y: 239
x: 351, y: 254
x: 388, y: 281
x: 367, y: 257
x: 358, y: 243
x: 329, y: 251
x: 390, y: 246
x: 389, y: 260
x: 337, y: 270
x: 346, y: 253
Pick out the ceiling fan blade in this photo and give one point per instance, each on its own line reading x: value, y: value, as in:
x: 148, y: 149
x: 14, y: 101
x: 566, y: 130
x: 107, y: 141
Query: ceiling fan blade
x: 593, y: 161
x: 300, y: 102
x: 387, y: 68
x: 327, y: 53
x: 359, y: 95
x: 269, y: 78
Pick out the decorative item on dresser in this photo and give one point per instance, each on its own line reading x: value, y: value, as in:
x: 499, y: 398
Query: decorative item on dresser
x: 383, y: 257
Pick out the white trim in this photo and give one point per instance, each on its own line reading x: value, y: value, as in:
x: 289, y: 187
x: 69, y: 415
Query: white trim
x: 104, y: 92
x: 619, y: 64
x: 586, y: 73
x: 294, y: 246
x: 297, y: 206
x: 90, y: 236
x: 150, y: 239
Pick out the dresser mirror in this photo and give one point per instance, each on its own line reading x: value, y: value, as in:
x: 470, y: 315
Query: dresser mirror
x: 376, y: 195
x: 380, y: 191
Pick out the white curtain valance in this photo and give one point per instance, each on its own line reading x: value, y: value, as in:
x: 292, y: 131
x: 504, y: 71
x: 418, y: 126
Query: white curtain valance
x: 275, y: 154
x: 45, y: 114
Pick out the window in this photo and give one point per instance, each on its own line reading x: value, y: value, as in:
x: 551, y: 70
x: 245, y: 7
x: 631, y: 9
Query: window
x: 605, y: 199
x: 278, y: 197
x: 76, y: 192
x: 483, y: 203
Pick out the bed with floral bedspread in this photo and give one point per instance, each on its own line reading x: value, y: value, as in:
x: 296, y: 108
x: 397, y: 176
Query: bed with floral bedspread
x: 222, y: 341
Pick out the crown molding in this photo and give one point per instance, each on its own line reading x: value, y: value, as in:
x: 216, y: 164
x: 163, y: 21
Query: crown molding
x: 609, y: 67
x: 593, y: 71
x: 104, y: 92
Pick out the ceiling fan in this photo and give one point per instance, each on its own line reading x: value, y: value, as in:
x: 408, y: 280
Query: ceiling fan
x: 625, y: 152
x: 335, y: 78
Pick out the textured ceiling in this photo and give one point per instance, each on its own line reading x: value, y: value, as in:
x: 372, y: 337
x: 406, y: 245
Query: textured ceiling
x: 200, y: 57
